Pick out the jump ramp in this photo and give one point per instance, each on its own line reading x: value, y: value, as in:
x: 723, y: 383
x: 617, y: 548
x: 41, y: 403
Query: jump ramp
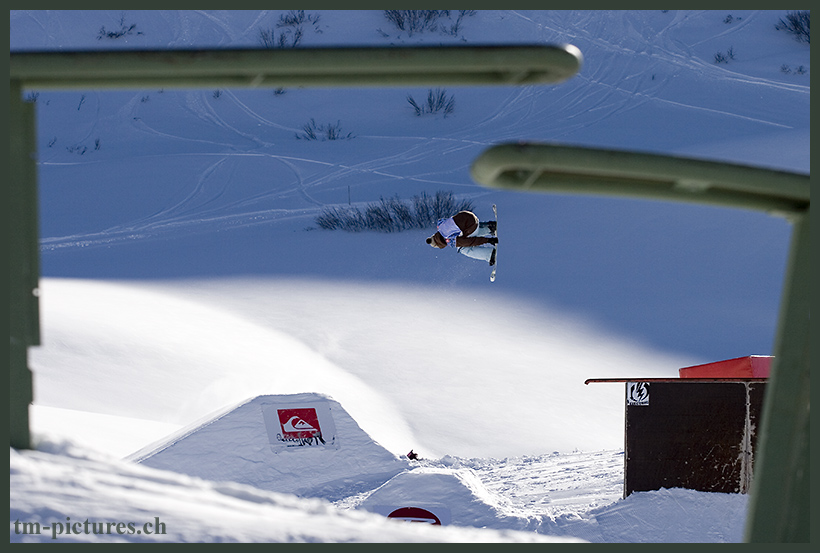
x: 304, y: 444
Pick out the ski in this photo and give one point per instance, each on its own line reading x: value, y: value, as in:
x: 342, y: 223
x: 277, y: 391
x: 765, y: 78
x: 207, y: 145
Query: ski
x: 494, y: 256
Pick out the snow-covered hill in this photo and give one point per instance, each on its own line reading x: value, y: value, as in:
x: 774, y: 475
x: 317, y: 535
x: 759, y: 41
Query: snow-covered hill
x: 183, y: 272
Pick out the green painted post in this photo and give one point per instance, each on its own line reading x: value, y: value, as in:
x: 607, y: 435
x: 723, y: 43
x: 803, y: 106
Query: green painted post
x: 24, y: 323
x: 779, y: 502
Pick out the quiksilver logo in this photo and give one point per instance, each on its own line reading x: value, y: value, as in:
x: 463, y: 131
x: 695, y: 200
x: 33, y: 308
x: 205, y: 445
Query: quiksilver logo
x: 300, y: 427
x: 295, y: 424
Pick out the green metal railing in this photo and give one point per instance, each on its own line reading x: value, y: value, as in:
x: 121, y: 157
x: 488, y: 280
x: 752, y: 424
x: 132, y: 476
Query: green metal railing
x: 779, y: 499
x: 309, y: 67
x: 314, y: 67
x: 572, y: 170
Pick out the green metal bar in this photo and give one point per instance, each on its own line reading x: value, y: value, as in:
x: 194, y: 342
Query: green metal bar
x: 780, y: 507
x: 330, y: 67
x: 572, y: 170
x: 459, y: 65
x: 24, y: 322
x: 779, y: 499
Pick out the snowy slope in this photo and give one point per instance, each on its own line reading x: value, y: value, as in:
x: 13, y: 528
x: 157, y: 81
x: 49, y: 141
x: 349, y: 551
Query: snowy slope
x: 60, y: 484
x: 183, y: 272
x: 174, y: 353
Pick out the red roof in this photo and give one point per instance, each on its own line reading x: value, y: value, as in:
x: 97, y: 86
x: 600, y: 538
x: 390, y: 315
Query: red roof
x: 752, y: 366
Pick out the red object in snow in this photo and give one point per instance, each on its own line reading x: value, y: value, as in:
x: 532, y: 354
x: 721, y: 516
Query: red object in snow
x: 415, y: 514
x: 752, y: 366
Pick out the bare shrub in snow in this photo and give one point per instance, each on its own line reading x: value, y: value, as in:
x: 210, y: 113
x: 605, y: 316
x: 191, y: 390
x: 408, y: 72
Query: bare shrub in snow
x: 797, y: 23
x: 393, y: 214
x: 312, y: 131
x: 437, y: 102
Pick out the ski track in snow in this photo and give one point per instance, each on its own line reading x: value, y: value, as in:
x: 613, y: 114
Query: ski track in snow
x: 665, y: 53
x: 551, y: 485
x: 256, y: 116
x: 611, y: 91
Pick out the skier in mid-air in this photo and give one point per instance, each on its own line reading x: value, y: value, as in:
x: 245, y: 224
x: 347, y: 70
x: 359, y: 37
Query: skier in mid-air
x: 468, y: 235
